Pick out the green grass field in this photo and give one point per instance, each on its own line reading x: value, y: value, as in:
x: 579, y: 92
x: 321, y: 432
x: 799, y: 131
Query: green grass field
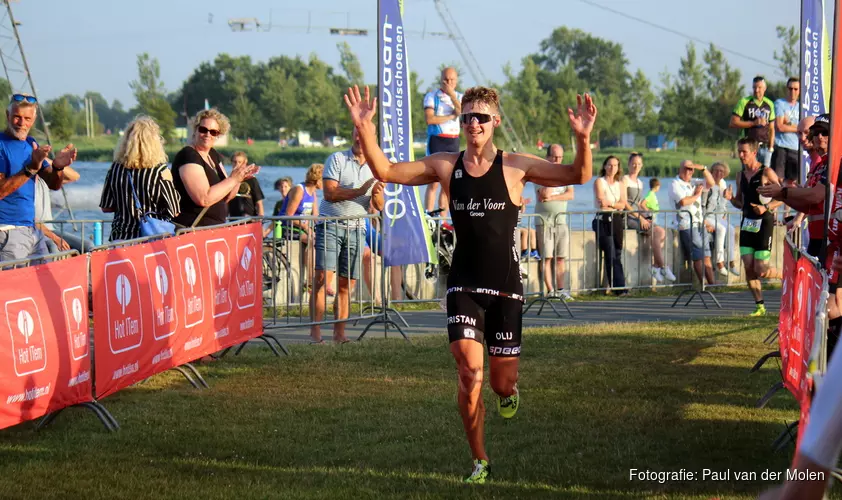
x: 379, y: 420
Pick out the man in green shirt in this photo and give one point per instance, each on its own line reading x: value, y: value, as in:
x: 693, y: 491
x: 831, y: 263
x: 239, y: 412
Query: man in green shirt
x: 755, y: 114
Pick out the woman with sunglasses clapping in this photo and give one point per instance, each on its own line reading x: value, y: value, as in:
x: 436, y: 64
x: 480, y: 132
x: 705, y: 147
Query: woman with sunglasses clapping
x: 199, y: 176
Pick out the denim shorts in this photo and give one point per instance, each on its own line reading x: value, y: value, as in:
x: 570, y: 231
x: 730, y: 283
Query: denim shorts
x: 338, y: 243
x: 695, y: 243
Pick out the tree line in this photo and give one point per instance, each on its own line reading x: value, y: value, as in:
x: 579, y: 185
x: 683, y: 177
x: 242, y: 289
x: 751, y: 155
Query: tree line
x: 276, y: 98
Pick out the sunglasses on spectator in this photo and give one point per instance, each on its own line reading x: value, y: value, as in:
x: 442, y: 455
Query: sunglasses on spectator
x: 21, y: 97
x: 466, y: 118
x: 205, y: 130
x: 823, y: 133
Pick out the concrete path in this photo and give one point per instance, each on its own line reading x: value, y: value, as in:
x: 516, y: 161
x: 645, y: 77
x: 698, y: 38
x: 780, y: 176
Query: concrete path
x: 584, y: 312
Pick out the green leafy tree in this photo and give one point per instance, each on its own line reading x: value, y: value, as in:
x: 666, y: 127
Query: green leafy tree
x: 350, y: 64
x: 601, y: 63
x: 682, y: 100
x: 151, y: 96
x: 641, y: 102
x: 525, y: 102
x: 723, y: 86
x: 788, y: 58
x: 279, y: 100
x: 419, y: 123
x: 61, y: 119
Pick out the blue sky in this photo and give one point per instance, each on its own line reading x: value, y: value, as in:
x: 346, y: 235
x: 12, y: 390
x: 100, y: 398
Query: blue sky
x: 75, y: 46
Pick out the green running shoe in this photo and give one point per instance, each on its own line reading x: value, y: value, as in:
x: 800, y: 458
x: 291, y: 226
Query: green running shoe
x: 507, y: 407
x: 480, y: 473
x: 760, y: 310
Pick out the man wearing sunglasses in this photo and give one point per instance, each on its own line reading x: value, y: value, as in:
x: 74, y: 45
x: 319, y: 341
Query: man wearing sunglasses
x: 485, y: 291
x: 785, y: 159
x: 21, y: 159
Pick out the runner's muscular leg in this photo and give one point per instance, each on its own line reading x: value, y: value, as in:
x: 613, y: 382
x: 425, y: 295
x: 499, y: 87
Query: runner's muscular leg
x: 469, y: 363
x: 752, y: 279
x: 503, y: 372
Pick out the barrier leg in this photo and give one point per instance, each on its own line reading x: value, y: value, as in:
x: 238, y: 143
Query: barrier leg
x: 766, y: 397
x: 181, y: 370
x: 104, y: 416
x: 386, y: 320
x: 197, y: 374
x: 772, y: 336
x: 548, y: 301
x: 786, y: 437
x: 280, y: 344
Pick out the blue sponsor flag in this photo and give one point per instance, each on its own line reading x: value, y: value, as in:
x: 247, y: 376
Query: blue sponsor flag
x: 406, y: 237
x: 815, y: 64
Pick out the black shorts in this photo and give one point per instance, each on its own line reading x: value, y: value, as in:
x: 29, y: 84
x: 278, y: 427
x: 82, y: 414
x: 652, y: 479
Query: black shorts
x: 438, y: 144
x: 495, y: 320
x: 758, y: 244
x: 786, y: 163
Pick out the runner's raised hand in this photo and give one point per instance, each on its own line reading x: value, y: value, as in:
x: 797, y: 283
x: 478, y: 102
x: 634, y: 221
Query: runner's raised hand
x: 361, y: 108
x: 583, y: 120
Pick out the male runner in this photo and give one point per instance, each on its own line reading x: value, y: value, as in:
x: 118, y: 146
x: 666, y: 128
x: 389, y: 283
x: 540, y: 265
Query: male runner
x: 484, y: 286
x: 758, y: 223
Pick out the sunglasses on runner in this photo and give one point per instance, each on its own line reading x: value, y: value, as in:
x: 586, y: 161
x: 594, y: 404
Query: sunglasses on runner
x: 205, y: 130
x: 28, y: 98
x: 466, y: 118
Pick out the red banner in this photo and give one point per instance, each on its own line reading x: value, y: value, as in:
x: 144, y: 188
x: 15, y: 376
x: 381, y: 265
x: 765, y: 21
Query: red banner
x: 45, y: 362
x: 168, y: 302
x: 785, y: 321
x: 812, y: 285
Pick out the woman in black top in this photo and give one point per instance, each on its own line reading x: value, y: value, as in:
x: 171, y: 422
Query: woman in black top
x: 199, y: 176
x: 140, y: 156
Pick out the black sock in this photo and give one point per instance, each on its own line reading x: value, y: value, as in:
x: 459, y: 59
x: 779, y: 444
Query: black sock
x: 759, y: 302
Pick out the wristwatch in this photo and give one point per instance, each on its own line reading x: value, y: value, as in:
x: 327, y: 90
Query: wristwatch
x: 29, y: 173
x: 783, y: 193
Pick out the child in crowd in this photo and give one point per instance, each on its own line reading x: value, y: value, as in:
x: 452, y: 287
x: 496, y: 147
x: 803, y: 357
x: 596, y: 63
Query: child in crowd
x: 650, y: 203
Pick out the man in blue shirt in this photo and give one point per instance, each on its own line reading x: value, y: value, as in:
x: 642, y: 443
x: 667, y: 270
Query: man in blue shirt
x: 21, y: 159
x: 441, y: 111
x: 785, y: 157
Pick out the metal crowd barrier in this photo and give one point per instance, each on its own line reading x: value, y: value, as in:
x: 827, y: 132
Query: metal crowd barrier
x: 289, y: 270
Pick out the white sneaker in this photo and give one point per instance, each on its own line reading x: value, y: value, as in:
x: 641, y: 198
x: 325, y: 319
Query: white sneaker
x: 722, y: 271
x: 658, y: 274
x: 735, y: 271
x: 668, y: 274
x: 563, y: 295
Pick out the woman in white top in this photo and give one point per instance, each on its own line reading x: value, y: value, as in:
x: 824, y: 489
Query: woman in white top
x: 609, y: 196
x: 643, y: 222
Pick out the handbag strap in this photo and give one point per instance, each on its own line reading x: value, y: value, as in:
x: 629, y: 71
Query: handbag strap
x: 134, y: 194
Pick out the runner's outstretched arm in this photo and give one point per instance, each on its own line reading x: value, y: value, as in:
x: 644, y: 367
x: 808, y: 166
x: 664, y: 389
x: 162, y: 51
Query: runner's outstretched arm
x: 545, y: 173
x: 414, y: 173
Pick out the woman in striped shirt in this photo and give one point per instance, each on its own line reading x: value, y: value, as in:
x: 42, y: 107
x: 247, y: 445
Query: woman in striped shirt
x: 140, y: 154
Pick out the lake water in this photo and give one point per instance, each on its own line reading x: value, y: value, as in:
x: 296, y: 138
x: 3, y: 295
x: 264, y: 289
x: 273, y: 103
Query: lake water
x: 83, y: 196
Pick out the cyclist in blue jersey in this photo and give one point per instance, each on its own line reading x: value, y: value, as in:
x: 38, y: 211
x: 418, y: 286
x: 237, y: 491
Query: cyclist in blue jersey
x: 441, y: 110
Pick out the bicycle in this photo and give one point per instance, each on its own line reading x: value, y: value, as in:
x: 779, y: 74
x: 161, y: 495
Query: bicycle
x: 443, y: 237
x: 276, y: 272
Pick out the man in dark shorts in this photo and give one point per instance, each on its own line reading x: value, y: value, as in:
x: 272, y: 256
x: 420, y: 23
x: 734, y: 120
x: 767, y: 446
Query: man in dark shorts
x: 441, y: 111
x: 758, y: 223
x: 785, y: 159
x: 485, y: 291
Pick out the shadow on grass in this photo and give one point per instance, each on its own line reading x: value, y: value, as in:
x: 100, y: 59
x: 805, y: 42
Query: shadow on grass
x: 379, y: 420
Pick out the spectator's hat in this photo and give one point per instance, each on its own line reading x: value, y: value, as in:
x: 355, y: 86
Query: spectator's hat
x: 822, y: 124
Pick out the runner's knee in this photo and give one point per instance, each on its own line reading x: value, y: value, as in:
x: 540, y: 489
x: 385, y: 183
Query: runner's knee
x: 470, y: 378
